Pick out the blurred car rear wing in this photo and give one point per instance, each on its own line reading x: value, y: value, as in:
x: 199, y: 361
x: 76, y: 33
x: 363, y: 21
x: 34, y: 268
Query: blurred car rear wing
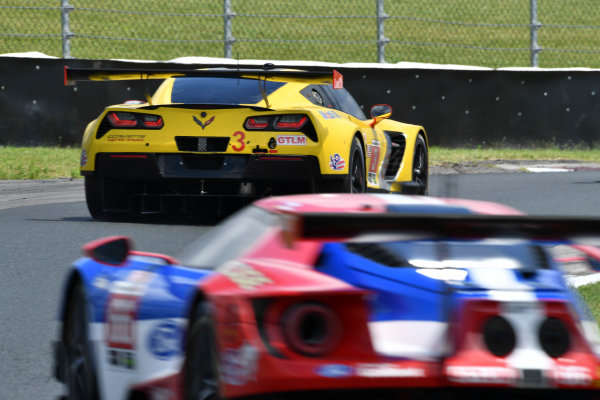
x: 73, y: 75
x: 386, y: 226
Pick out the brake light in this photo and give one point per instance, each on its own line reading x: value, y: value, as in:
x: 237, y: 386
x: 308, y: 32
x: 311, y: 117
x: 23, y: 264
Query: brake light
x: 290, y: 122
x: 255, y: 123
x: 122, y: 119
x: 151, y: 121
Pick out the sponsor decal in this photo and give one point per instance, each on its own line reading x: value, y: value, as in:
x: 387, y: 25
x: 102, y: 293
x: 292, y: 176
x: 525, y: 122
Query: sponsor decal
x: 84, y: 159
x: 205, y: 123
x: 125, y: 138
x: 373, y: 153
x: 239, y: 365
x: 244, y: 275
x: 477, y: 374
x: 329, y: 114
x: 291, y: 140
x: 165, y: 340
x: 335, y: 371
x: 388, y: 371
x: 572, y: 375
x: 122, y: 359
x: 336, y: 162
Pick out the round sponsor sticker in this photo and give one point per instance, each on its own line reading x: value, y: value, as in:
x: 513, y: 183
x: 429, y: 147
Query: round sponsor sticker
x: 165, y: 340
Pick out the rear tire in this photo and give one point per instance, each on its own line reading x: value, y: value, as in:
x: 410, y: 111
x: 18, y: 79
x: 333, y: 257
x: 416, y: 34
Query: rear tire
x: 420, y: 170
x: 93, y: 197
x: 200, y: 370
x: 80, y: 374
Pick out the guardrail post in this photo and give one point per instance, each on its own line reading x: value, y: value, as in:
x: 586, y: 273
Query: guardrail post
x: 66, y: 8
x: 228, y: 38
x: 534, y: 26
x: 381, y: 39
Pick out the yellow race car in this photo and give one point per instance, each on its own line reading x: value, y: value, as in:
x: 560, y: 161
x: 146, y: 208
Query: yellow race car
x: 211, y: 140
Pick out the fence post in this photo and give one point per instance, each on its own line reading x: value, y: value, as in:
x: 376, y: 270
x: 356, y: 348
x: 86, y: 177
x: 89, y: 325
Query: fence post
x: 66, y: 8
x: 534, y: 26
x: 228, y: 38
x: 381, y: 39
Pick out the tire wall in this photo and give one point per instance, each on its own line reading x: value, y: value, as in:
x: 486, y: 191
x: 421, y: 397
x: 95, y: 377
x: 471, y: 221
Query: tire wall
x: 458, y: 108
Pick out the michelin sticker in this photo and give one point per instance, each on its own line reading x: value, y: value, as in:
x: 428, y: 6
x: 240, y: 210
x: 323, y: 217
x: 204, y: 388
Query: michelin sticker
x: 165, y: 340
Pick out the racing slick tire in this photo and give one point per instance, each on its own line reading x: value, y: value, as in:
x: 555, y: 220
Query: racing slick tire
x: 355, y: 181
x: 93, y: 197
x: 200, y: 368
x: 420, y: 169
x: 80, y: 374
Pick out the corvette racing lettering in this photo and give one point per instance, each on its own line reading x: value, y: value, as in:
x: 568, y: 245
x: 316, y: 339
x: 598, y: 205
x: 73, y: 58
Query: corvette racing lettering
x: 204, y: 124
x: 477, y: 374
x: 165, y: 340
x: 244, y: 275
x: 125, y: 138
x: 239, y: 141
x: 239, y: 365
x: 329, y: 114
x: 291, y: 140
x: 388, y: 371
x: 336, y: 162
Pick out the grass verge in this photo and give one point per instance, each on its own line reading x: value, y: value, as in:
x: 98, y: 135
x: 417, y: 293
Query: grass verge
x: 591, y: 295
x: 54, y: 162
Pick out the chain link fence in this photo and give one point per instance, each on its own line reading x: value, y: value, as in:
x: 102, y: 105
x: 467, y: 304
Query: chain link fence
x: 544, y: 33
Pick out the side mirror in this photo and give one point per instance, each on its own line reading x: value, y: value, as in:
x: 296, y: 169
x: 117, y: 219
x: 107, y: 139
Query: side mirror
x: 379, y: 112
x: 112, y: 250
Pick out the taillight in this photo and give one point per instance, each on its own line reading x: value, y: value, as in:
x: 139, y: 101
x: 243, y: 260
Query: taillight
x: 499, y: 336
x: 290, y: 122
x: 311, y: 329
x: 151, y: 121
x: 257, y: 123
x: 554, y: 337
x: 123, y: 119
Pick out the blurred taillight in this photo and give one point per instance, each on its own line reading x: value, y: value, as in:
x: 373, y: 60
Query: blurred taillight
x: 311, y: 329
x: 123, y: 119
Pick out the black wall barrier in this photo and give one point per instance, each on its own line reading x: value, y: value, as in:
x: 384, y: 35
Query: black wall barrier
x: 459, y: 108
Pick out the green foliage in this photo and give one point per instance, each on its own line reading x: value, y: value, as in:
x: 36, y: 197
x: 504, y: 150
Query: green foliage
x: 591, y: 295
x: 38, y: 163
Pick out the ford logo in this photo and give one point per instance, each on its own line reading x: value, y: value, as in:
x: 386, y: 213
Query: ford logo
x: 165, y: 340
x: 335, y: 371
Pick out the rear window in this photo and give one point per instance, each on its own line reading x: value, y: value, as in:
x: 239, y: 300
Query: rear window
x: 210, y: 90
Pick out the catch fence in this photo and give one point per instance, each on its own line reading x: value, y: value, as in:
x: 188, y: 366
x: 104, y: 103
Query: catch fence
x: 544, y: 33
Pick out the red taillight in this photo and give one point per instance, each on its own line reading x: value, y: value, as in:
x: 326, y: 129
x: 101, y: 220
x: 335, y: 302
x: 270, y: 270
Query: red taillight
x: 122, y: 119
x: 257, y: 123
x: 151, y: 121
x: 290, y: 122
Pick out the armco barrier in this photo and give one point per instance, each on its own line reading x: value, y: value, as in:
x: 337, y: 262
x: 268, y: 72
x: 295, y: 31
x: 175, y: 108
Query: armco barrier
x: 459, y: 108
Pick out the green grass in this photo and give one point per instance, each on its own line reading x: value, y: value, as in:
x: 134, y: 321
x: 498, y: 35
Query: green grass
x: 55, y: 162
x: 591, y: 295
x: 38, y: 163
x: 470, y: 32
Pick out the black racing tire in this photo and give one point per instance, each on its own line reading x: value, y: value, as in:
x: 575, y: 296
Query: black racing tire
x: 80, y: 373
x: 200, y: 368
x: 93, y: 197
x: 355, y: 181
x: 420, y: 169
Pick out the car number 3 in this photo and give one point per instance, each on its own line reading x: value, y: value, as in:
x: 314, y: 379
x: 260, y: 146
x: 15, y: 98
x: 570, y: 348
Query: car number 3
x: 239, y: 144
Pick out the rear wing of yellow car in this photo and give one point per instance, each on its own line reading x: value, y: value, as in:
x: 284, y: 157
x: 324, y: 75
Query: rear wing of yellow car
x: 269, y: 71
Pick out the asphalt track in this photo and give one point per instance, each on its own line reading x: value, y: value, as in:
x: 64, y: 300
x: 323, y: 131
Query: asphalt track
x: 44, y: 224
